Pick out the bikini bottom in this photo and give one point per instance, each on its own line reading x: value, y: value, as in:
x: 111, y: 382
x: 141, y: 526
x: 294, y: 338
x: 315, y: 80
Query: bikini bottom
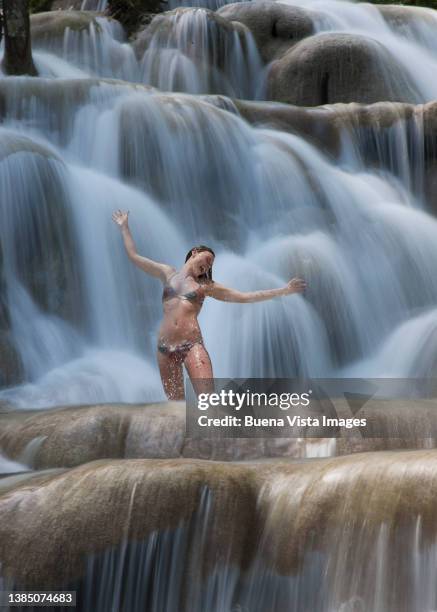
x: 180, y: 350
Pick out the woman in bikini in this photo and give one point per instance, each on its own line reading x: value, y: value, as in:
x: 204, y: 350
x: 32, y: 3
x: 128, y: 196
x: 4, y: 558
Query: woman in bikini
x: 180, y: 339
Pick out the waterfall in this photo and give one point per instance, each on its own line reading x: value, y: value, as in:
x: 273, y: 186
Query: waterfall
x: 193, y: 50
x: 152, y: 151
x: 179, y: 123
x: 361, y: 528
x: 408, y: 38
x: 7, y: 466
x: 190, y: 50
x: 191, y: 169
x: 91, y: 43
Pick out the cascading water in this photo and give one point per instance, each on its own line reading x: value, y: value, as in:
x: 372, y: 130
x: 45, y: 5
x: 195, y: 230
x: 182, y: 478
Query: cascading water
x: 194, y: 51
x: 409, y: 38
x: 341, y: 195
x: 93, y: 44
x: 268, y: 202
x: 190, y: 50
x: 116, y: 314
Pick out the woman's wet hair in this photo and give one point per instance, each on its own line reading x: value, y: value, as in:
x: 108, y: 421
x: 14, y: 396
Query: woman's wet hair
x: 200, y: 249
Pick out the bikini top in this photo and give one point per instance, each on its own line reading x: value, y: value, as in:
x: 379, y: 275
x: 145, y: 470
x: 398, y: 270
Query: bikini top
x: 170, y: 292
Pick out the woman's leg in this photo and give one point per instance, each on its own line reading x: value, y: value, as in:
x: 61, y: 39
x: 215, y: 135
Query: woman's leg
x: 170, y: 368
x: 199, y: 368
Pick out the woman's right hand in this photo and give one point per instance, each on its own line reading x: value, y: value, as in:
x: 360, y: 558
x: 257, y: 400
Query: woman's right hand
x: 120, y: 218
x: 296, y: 285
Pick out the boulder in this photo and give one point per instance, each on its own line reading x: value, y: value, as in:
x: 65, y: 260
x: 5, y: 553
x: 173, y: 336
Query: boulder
x: 96, y: 506
x: 74, y: 435
x: 322, y: 125
x: 71, y: 436
x: 52, y: 25
x: 275, y: 27
x: 330, y: 68
x: 198, y: 526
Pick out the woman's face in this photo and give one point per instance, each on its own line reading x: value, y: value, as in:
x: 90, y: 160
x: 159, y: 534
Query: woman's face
x: 201, y: 262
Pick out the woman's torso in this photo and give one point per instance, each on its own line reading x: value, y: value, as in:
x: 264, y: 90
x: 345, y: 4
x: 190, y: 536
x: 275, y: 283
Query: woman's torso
x: 182, y: 301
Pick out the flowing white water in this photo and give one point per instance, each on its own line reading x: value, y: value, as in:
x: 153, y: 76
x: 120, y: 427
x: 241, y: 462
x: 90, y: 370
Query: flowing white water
x: 189, y: 50
x: 7, y: 466
x: 193, y: 50
x: 411, y: 40
x: 191, y: 170
x: 99, y: 48
x: 321, y: 535
x: 83, y: 320
x: 358, y: 292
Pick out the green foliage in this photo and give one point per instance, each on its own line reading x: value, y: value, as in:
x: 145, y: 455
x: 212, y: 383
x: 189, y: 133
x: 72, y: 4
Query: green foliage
x: 40, y: 6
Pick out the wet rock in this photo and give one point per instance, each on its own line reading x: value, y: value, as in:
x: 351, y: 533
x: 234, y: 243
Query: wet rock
x: 98, y: 505
x: 324, y: 125
x: 76, y: 435
x: 275, y: 27
x: 332, y: 68
x: 316, y: 124
x: 72, y: 436
x: 53, y: 24
x: 335, y: 502
x: 260, y: 519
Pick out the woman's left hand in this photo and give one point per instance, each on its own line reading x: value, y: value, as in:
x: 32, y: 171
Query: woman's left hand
x: 296, y: 285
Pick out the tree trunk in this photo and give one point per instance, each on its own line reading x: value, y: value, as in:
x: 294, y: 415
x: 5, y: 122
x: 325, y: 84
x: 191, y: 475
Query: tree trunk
x: 16, y: 25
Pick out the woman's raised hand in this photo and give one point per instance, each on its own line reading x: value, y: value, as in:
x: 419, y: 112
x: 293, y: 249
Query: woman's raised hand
x: 120, y: 218
x: 296, y: 285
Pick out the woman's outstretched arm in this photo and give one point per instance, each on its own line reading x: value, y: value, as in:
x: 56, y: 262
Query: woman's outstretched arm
x: 149, y: 266
x: 225, y: 294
